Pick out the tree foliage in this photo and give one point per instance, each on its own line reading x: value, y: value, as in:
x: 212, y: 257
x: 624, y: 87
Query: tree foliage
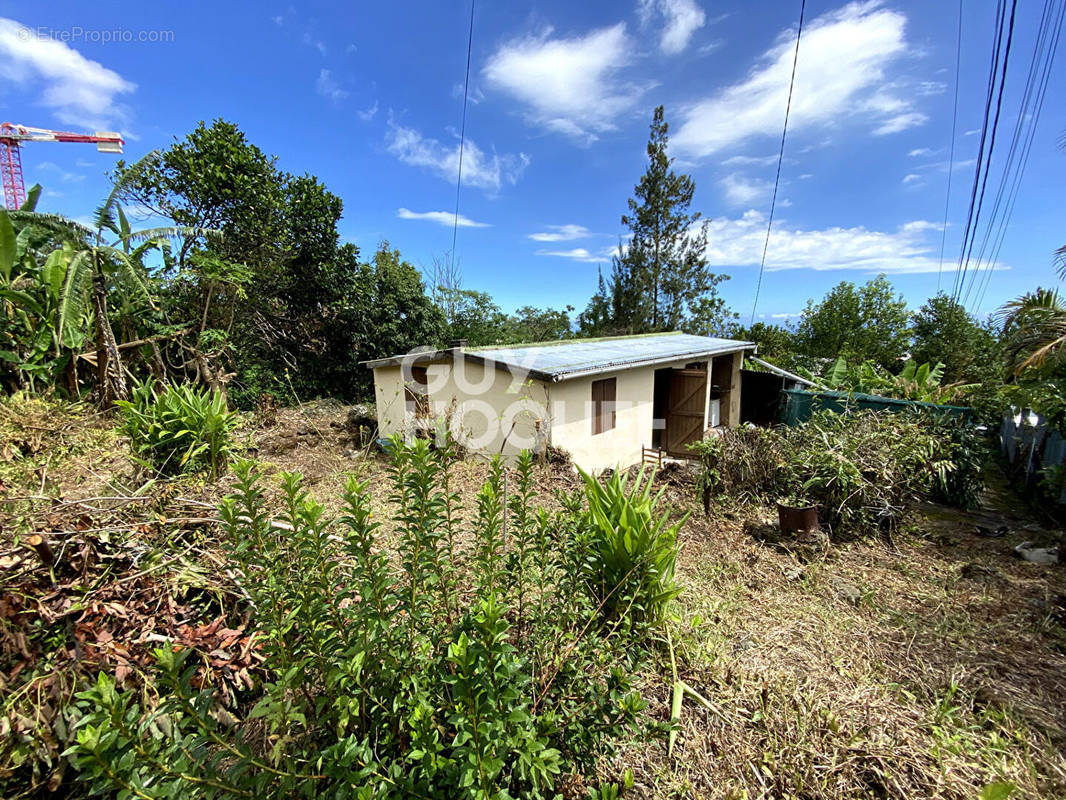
x: 659, y: 279
x: 944, y: 331
x: 857, y: 322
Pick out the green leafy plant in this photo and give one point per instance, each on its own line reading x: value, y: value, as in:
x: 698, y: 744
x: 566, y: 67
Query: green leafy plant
x: 419, y: 678
x: 634, y: 548
x: 174, y: 429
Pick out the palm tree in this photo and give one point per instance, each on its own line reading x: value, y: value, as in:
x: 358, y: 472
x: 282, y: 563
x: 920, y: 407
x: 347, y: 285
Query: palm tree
x: 1034, y: 327
x: 107, y: 250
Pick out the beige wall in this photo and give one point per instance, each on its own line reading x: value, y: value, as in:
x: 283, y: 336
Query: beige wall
x: 487, y: 409
x: 571, y: 428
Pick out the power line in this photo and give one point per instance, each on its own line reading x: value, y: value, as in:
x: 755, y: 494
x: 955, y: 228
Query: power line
x: 780, y: 159
x: 1045, y: 49
x: 951, y: 153
x: 462, y: 136
x: 992, y: 71
x: 991, y: 143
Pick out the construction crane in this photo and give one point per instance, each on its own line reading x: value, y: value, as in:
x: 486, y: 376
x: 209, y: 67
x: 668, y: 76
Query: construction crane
x: 13, y: 136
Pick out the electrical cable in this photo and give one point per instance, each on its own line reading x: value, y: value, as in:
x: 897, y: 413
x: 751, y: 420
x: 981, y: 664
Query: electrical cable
x: 1048, y: 36
x: 991, y: 143
x: 462, y: 137
x: 780, y: 159
x: 951, y: 152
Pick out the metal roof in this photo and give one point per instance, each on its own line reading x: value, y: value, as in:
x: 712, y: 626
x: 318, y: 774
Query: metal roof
x: 573, y: 358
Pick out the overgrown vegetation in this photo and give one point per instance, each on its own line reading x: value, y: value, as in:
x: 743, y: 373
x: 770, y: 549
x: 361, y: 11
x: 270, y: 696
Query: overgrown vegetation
x: 230, y: 658
x: 862, y: 469
x: 474, y: 671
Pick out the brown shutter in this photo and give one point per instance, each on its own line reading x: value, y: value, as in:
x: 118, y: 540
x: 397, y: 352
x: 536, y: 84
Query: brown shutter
x: 603, y: 397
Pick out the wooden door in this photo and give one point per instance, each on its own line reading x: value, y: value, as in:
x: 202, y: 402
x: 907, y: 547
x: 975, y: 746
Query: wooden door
x: 685, y: 413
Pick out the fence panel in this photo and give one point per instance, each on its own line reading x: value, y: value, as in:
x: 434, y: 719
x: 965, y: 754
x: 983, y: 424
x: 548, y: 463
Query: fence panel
x: 1031, y: 445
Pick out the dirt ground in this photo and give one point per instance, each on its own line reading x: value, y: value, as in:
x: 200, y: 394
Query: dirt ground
x: 932, y: 665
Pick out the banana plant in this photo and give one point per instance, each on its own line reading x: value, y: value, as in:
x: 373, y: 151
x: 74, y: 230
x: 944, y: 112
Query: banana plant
x: 106, y: 255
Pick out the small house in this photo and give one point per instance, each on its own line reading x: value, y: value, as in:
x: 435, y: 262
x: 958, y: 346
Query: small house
x: 606, y: 402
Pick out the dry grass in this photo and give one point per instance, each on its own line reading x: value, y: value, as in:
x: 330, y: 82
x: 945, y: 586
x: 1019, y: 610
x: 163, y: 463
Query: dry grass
x: 931, y: 667
x: 914, y: 671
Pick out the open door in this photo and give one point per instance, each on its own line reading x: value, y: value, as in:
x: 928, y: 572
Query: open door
x: 686, y: 411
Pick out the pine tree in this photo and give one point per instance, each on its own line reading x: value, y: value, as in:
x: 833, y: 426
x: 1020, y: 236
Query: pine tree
x: 660, y: 280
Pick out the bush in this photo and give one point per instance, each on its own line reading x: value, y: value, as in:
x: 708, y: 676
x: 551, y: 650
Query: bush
x: 862, y: 469
x: 962, y: 484
x: 744, y: 462
x: 479, y: 669
x: 176, y: 429
x: 634, y: 550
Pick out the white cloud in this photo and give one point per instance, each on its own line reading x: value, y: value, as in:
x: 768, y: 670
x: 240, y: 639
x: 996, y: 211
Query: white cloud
x: 480, y: 169
x: 921, y: 151
x: 755, y: 161
x: 900, y: 122
x: 911, y: 178
x: 681, y: 19
x: 583, y: 254
x: 840, y: 75
x: 911, y: 248
x: 561, y: 233
x: 569, y: 86
x: 368, y: 114
x: 79, y: 91
x: 741, y: 191
x: 318, y: 44
x: 441, y: 218
x: 60, y: 173
x: 474, y: 95
x: 327, y: 86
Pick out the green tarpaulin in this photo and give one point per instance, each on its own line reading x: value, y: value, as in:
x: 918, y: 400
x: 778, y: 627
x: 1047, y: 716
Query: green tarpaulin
x: 799, y: 404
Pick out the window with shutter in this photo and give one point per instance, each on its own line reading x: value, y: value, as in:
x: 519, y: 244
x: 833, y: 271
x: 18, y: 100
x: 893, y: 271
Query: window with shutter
x: 603, y: 399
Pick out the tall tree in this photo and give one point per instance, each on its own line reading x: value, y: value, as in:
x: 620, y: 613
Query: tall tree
x: 944, y: 331
x: 660, y: 280
x: 216, y: 179
x: 859, y: 323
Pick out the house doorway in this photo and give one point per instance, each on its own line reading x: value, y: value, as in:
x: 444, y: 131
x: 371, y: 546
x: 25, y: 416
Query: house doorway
x: 679, y: 409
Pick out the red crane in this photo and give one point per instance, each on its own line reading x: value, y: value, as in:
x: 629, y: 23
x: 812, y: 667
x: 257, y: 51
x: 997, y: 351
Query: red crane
x: 11, y: 138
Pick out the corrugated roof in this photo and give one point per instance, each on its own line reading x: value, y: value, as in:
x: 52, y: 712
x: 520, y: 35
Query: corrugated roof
x: 571, y: 358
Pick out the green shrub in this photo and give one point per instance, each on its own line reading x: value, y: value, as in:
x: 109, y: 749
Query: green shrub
x: 413, y: 677
x: 967, y: 450
x: 862, y: 469
x: 176, y: 429
x: 633, y: 549
x: 745, y: 463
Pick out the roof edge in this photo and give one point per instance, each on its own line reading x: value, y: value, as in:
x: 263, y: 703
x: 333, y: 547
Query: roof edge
x: 734, y: 347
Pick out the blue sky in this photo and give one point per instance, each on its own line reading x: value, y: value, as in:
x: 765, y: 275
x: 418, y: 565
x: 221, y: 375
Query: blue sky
x: 561, y: 94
